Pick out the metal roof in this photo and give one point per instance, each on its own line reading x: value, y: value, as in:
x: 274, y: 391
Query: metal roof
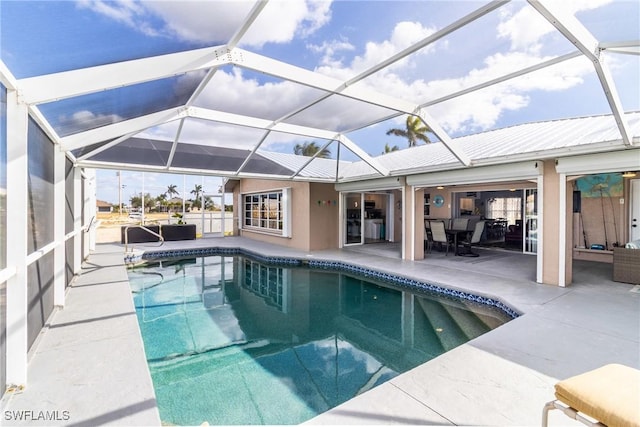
x: 529, y: 141
x: 166, y: 98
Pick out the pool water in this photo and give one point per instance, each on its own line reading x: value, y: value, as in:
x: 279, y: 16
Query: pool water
x: 232, y: 341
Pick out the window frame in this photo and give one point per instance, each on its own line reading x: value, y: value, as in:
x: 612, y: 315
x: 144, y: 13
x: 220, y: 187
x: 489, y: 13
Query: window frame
x: 266, y: 211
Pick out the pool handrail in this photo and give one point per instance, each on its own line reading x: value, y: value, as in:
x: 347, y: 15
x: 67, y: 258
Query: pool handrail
x: 126, y: 235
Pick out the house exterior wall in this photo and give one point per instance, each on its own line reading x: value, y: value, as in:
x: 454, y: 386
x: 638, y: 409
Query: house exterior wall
x: 314, y: 219
x: 299, y: 238
x: 323, y: 216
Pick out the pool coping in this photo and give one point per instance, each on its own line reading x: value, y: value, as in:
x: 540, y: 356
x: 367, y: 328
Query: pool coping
x: 399, y: 280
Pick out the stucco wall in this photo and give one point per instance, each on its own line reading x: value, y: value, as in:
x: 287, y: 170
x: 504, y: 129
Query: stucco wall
x: 300, y: 212
x: 551, y: 199
x: 323, y: 219
x: 314, y: 219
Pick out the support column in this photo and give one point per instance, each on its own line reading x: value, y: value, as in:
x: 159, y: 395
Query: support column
x: 419, y: 223
x: 59, y: 260
x: 410, y: 219
x: 89, y: 203
x: 550, y: 211
x: 541, y: 228
x: 406, y: 220
x: 91, y: 208
x: 566, y: 216
x: 17, y: 192
x: 77, y: 220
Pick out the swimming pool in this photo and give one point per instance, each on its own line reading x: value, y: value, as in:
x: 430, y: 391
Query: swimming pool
x: 231, y: 340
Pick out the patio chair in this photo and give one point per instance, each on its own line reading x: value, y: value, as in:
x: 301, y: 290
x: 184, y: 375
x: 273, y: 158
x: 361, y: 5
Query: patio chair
x: 439, y: 235
x: 460, y: 224
x: 609, y: 395
x: 428, y: 238
x: 473, y: 238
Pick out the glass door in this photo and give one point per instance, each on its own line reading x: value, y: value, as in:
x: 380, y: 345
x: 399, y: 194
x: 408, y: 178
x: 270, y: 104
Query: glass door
x: 353, y: 218
x: 531, y: 220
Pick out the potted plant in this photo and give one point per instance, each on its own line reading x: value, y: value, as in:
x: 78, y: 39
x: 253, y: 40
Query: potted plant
x: 179, y: 231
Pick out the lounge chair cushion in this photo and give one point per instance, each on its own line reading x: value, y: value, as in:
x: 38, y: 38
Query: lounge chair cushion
x: 610, y: 394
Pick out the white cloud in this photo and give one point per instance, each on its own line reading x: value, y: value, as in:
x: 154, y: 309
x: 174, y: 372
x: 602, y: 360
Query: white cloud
x: 209, y: 21
x: 219, y: 134
x: 217, y: 21
x: 524, y: 28
x: 126, y: 12
x: 331, y: 51
x: 238, y: 92
x: 479, y: 110
x: 85, y: 119
x: 403, y: 35
x: 281, y: 20
x: 235, y: 93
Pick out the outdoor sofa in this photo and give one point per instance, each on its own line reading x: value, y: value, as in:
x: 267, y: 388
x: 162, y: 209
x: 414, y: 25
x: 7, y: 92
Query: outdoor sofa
x: 626, y: 263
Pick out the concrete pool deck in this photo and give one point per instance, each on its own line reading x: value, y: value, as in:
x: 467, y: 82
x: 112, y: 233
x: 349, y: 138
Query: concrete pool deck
x: 90, y: 360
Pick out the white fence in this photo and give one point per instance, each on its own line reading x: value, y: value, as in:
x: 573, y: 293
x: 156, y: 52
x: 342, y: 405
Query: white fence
x: 211, y: 222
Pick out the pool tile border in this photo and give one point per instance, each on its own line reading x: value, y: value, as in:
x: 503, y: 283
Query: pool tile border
x: 395, y: 279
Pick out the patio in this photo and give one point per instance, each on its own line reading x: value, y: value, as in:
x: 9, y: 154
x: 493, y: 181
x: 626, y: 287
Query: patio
x: 501, y: 378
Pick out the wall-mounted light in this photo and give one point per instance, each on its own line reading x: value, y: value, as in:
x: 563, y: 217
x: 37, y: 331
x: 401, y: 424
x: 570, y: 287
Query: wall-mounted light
x: 440, y: 187
x: 629, y: 174
x: 512, y: 189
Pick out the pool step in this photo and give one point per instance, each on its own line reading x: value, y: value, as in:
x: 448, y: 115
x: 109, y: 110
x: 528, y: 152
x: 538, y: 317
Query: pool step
x: 467, y: 320
x: 448, y: 331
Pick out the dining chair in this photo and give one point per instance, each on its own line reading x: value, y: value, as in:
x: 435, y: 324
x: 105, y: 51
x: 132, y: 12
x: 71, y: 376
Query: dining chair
x: 428, y: 238
x: 439, y: 235
x: 460, y: 223
x: 474, y: 238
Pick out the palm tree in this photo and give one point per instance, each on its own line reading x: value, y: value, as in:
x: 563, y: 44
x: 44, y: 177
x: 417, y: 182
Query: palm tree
x: 171, y: 190
x: 161, y: 200
x: 196, y: 191
x: 389, y: 149
x: 309, y: 149
x: 416, y: 130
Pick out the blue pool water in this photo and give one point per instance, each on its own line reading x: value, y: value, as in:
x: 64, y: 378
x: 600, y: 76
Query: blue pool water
x: 232, y: 341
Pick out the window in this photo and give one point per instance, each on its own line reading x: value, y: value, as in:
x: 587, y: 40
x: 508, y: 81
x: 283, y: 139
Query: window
x: 266, y: 281
x: 267, y: 211
x: 505, y: 207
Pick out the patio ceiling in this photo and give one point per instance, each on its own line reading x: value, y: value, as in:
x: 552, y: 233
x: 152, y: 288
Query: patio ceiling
x: 164, y: 108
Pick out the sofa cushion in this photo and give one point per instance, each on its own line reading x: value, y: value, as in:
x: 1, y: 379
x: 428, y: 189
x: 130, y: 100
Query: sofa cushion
x: 635, y: 244
x: 609, y: 394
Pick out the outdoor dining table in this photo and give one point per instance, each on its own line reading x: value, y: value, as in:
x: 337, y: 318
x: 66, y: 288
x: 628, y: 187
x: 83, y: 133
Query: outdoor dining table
x: 455, y: 234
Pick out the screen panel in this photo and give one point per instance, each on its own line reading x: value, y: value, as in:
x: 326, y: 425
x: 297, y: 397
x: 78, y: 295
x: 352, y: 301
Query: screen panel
x: 40, y: 189
x: 39, y: 295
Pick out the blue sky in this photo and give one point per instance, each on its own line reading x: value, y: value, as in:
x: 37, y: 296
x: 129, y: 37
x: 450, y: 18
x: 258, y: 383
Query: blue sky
x: 339, y: 39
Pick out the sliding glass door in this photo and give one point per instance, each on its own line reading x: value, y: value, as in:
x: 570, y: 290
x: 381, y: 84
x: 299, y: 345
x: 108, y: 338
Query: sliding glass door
x: 531, y: 220
x: 353, y: 214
